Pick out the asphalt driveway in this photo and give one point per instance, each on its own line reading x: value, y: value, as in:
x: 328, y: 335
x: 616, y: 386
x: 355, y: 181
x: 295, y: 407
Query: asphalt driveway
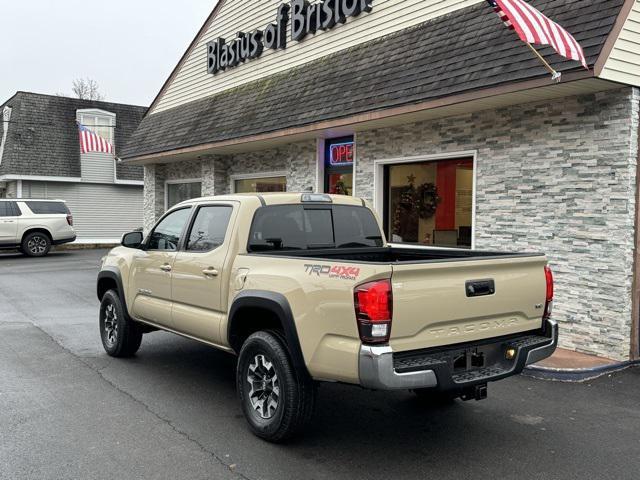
x: 67, y: 410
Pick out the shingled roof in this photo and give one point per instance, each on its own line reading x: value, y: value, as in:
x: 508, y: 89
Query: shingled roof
x: 43, y: 137
x: 463, y: 51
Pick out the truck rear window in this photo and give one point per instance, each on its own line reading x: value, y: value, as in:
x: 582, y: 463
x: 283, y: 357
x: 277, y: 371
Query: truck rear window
x: 48, y: 207
x: 303, y: 227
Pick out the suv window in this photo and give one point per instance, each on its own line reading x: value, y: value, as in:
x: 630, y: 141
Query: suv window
x: 48, y: 208
x: 209, y: 228
x: 300, y: 227
x: 166, y: 235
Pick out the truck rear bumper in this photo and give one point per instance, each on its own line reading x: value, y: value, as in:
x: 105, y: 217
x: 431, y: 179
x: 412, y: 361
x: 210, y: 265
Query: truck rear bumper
x: 60, y: 241
x: 457, y: 367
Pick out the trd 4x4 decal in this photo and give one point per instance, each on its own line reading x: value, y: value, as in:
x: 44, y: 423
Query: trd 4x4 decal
x: 333, y: 271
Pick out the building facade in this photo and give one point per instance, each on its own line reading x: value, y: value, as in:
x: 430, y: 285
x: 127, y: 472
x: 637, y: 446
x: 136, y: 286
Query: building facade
x: 40, y: 158
x: 439, y: 116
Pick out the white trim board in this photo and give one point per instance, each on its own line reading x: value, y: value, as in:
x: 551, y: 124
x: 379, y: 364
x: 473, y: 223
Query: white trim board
x: 42, y: 178
x: 249, y: 176
x: 127, y: 182
x: 378, y: 180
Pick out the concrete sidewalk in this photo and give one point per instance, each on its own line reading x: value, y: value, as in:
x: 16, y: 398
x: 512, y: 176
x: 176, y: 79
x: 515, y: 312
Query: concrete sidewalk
x: 571, y: 366
x: 568, y: 359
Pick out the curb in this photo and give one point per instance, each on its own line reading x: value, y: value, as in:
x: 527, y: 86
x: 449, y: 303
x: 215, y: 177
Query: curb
x: 83, y: 246
x: 575, y: 374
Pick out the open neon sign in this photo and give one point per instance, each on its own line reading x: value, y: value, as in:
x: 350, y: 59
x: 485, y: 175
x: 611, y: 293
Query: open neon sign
x: 341, y: 153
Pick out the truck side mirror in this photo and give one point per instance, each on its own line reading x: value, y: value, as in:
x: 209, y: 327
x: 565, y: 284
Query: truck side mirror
x: 132, y: 240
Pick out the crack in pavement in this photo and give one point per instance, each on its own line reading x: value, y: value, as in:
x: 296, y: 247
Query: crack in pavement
x: 168, y: 422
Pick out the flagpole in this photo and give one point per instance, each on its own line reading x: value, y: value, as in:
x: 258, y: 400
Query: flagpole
x: 554, y: 75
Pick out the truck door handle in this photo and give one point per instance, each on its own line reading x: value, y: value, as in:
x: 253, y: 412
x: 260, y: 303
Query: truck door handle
x: 166, y: 267
x: 210, y: 272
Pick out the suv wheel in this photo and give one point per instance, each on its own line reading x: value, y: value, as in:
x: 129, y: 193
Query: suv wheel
x: 121, y: 337
x: 36, y: 244
x: 276, y: 400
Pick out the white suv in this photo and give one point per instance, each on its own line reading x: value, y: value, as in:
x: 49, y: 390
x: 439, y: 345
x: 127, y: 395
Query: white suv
x: 32, y: 226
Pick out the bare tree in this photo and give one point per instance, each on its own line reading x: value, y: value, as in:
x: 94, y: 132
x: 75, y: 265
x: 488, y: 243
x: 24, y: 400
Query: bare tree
x: 87, y: 89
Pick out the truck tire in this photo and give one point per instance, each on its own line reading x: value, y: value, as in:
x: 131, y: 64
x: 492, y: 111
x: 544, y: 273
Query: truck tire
x: 121, y: 337
x: 276, y: 399
x: 36, y: 244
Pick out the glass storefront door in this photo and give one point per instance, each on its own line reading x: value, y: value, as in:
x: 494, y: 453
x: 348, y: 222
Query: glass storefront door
x: 430, y: 202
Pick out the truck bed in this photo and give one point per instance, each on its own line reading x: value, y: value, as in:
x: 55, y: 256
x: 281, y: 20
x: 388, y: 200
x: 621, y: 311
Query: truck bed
x: 395, y: 255
x: 442, y: 296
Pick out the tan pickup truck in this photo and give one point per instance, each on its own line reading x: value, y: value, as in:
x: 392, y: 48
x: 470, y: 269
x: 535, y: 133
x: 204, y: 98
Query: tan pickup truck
x: 304, y: 288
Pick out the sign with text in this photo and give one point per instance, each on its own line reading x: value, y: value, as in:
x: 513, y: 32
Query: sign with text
x: 306, y: 18
x: 341, y: 154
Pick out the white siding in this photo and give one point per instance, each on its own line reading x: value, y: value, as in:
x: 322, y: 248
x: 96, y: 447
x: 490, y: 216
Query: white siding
x: 193, y: 82
x: 623, y: 64
x: 97, y: 167
x: 99, y: 211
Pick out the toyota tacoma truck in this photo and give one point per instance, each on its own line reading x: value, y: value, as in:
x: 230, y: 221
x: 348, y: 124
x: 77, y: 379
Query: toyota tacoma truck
x: 304, y: 288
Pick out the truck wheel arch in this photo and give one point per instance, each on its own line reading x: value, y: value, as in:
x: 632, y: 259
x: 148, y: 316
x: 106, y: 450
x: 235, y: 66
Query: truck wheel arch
x: 275, y: 304
x: 109, y: 279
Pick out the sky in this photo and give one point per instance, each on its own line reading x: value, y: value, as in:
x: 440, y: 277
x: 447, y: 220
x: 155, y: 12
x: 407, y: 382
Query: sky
x: 129, y: 47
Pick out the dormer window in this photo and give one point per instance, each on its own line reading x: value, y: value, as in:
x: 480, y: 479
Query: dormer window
x: 98, y: 121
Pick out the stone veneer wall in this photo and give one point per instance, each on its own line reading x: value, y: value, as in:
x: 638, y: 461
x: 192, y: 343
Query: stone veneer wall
x: 557, y: 177
x: 297, y: 159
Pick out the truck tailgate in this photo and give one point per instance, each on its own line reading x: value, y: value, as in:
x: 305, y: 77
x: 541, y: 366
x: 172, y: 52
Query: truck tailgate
x: 449, y: 302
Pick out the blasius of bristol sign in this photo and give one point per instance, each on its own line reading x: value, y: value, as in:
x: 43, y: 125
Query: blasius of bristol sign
x: 306, y: 18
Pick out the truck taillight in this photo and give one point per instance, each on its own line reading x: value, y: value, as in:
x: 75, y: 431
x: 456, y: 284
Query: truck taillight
x: 70, y: 220
x: 549, y: 296
x: 374, y: 308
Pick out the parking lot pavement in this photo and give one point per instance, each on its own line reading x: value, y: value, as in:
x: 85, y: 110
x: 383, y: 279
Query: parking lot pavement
x: 69, y: 411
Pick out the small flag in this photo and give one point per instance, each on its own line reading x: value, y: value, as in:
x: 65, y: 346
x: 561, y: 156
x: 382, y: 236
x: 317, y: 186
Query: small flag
x: 533, y: 27
x: 92, y: 142
x: 501, y: 14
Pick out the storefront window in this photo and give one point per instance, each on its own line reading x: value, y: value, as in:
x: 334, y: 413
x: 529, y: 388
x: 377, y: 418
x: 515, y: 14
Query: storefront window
x: 264, y: 184
x: 430, y: 202
x: 338, y: 166
x: 179, y: 192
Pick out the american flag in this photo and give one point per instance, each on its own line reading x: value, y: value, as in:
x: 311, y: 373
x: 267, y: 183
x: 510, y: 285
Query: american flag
x: 533, y: 27
x: 92, y: 142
